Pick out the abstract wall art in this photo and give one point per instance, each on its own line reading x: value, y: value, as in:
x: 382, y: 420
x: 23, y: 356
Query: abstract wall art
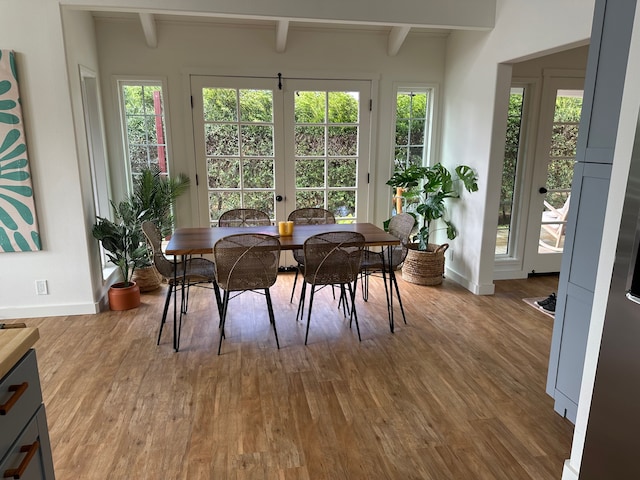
x: 18, y: 225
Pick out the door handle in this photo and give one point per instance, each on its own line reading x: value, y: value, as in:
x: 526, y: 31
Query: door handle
x: 279, y: 198
x: 542, y: 190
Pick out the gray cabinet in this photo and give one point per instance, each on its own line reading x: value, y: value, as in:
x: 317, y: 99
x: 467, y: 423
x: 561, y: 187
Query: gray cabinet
x: 25, y: 451
x: 606, y: 68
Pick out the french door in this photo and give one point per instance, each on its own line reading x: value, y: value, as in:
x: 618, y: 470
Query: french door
x: 553, y: 173
x: 305, y: 144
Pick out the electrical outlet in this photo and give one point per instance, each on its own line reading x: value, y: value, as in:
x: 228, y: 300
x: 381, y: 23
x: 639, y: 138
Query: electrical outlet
x: 41, y: 287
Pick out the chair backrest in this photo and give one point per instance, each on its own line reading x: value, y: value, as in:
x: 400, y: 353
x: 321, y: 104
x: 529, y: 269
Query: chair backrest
x: 244, y: 217
x: 154, y: 240
x: 401, y: 226
x: 311, y: 216
x: 246, y: 261
x: 333, y: 257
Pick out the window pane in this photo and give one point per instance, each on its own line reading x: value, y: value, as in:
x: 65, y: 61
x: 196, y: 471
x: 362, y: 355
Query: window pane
x: 224, y: 173
x: 418, y: 105
x: 402, y: 132
x: 263, y: 201
x: 256, y: 105
x: 221, y: 139
x: 309, y: 173
x: 417, y: 132
x: 310, y: 199
x: 560, y: 174
x: 415, y: 155
x: 343, y: 107
x: 258, y: 173
x: 564, y: 140
x: 512, y: 147
x: 309, y: 140
x: 342, y: 172
x: 144, y: 128
x: 568, y: 106
x: 310, y: 107
x: 342, y: 203
x: 342, y: 141
x: 220, y: 202
x: 257, y: 140
x: 220, y: 104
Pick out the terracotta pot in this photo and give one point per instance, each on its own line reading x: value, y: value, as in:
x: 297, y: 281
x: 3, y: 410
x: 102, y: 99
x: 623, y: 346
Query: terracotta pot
x: 123, y: 297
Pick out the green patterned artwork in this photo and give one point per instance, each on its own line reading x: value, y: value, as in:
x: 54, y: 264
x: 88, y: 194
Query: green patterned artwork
x: 18, y: 226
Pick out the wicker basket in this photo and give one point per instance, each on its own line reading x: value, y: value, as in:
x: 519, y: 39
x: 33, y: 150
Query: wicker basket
x: 425, y: 267
x: 147, y: 278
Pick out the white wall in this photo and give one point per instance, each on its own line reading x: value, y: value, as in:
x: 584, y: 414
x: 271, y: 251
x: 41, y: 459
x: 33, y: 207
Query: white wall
x: 34, y: 30
x: 216, y: 49
x: 475, y: 136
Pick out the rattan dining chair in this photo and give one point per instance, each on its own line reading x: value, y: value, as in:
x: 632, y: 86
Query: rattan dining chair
x: 244, y: 217
x: 246, y: 262
x: 332, y: 258
x: 307, y: 216
x: 195, y: 271
x: 373, y: 262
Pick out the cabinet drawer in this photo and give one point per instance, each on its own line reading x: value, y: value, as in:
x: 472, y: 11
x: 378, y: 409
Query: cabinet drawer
x: 20, y: 393
x: 27, y: 456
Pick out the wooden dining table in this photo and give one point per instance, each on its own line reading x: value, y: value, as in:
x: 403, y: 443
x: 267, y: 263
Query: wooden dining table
x: 200, y: 241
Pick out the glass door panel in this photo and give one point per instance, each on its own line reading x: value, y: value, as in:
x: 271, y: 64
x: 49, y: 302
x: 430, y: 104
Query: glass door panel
x: 235, y: 132
x: 553, y: 173
x: 277, y: 150
x: 562, y: 153
x: 330, y: 146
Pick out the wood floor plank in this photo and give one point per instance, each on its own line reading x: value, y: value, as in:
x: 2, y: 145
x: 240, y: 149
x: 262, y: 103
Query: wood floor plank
x: 457, y: 393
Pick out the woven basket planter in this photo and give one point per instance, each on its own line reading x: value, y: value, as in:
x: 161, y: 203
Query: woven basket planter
x: 424, y: 267
x: 147, y: 278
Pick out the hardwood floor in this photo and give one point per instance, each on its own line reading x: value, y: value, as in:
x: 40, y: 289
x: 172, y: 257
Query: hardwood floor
x: 458, y: 393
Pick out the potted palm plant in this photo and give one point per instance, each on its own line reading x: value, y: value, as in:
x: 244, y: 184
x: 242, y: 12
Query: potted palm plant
x: 153, y: 196
x: 425, y: 190
x: 122, y: 239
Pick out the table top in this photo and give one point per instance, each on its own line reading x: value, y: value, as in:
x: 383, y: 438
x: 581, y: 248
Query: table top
x: 200, y: 240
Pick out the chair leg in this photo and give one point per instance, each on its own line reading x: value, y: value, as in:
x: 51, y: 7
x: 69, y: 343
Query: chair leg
x: 216, y: 290
x: 309, y: 315
x: 300, y: 313
x: 225, y: 304
x: 272, y: 318
x: 164, y: 312
x: 395, y: 283
x: 295, y: 280
x: 352, y: 293
x: 365, y: 285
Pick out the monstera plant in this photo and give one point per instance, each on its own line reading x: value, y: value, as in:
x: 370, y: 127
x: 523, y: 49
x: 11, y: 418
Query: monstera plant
x: 426, y: 191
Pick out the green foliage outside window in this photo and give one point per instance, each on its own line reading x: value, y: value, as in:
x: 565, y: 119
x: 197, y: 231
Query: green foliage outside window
x: 562, y: 152
x: 239, y: 144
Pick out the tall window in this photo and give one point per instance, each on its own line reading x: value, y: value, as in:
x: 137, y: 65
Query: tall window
x: 144, y: 124
x: 413, y: 131
x: 506, y: 219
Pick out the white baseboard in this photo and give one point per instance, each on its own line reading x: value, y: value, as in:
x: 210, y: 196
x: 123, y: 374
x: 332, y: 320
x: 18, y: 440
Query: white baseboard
x: 48, y: 311
x: 568, y: 473
x: 477, y: 289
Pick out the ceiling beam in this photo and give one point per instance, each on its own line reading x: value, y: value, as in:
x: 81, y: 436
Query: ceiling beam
x: 397, y: 35
x: 282, y: 30
x: 149, y: 28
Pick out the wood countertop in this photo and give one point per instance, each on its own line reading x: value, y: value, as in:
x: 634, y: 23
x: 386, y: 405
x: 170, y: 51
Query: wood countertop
x: 14, y: 343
